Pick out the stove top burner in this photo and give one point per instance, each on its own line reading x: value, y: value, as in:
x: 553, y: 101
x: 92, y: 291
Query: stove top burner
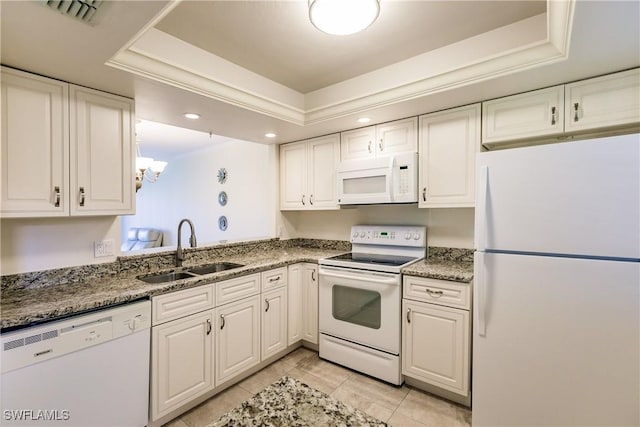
x: 374, y: 259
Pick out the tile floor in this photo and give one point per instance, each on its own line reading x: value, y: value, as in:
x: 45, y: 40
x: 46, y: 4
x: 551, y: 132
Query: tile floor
x: 398, y: 406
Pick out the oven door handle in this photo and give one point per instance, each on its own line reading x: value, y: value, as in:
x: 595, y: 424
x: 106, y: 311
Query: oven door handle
x: 368, y: 278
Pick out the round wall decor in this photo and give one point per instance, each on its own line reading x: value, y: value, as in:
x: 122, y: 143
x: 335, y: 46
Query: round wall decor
x: 222, y: 175
x: 222, y: 198
x: 223, y: 223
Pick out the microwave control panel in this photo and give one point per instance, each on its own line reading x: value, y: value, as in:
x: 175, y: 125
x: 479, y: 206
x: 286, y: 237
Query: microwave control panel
x: 396, y: 235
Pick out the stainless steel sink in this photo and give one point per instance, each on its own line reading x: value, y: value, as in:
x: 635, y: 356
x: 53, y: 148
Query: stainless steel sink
x: 214, y: 268
x: 166, y: 277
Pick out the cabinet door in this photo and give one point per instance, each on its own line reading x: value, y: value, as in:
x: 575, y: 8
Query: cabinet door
x: 608, y: 101
x: 293, y: 176
x: 294, y: 294
x: 181, y: 362
x: 101, y: 153
x: 397, y: 137
x: 449, y: 141
x: 527, y: 115
x: 323, y: 158
x: 310, y: 303
x: 358, y: 143
x: 237, y: 338
x: 274, y: 322
x: 35, y: 146
x: 435, y: 344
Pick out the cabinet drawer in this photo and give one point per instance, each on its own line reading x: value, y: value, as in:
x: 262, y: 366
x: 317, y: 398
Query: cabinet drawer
x: 274, y: 278
x: 235, y: 289
x: 442, y: 292
x: 182, y: 303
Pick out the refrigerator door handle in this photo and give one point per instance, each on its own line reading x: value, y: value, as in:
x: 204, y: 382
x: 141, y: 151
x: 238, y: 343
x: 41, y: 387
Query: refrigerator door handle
x: 480, y: 286
x: 481, y: 209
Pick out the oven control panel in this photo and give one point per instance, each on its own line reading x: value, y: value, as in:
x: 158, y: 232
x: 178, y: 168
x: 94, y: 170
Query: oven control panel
x: 396, y: 235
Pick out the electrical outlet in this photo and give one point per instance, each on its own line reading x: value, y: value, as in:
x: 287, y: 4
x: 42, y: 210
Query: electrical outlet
x: 102, y: 248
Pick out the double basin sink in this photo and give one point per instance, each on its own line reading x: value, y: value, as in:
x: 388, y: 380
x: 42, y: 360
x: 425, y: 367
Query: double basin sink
x: 188, y: 273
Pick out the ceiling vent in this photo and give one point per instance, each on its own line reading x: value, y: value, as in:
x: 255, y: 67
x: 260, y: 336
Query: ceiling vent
x: 83, y: 10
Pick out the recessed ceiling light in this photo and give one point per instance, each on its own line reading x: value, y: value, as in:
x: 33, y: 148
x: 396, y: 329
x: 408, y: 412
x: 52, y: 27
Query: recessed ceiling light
x: 270, y: 135
x: 192, y: 116
x: 364, y: 120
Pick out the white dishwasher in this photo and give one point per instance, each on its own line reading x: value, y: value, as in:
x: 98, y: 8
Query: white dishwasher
x: 87, y: 370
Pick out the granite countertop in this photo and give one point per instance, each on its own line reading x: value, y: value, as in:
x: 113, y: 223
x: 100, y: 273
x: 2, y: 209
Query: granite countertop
x: 444, y: 264
x: 33, y: 298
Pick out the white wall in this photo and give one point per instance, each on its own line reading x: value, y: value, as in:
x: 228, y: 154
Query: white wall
x: 42, y: 244
x: 188, y: 188
x: 445, y: 227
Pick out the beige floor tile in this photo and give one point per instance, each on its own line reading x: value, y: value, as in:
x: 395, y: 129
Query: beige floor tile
x: 363, y: 402
x: 463, y: 416
x: 383, y: 393
x: 176, y: 423
x: 215, y: 407
x: 428, y: 409
x: 399, y: 420
x: 296, y: 356
x: 333, y: 374
x: 258, y: 381
x: 319, y: 383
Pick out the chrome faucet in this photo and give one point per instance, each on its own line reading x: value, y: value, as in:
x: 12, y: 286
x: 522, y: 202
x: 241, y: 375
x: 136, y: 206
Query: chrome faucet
x: 192, y: 241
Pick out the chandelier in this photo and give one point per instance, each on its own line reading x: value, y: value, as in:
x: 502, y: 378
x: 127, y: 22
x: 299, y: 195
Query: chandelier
x: 147, y: 169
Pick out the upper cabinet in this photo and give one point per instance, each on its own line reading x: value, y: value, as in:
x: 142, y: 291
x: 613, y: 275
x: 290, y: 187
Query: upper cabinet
x: 66, y: 150
x: 593, y: 105
x: 449, y: 141
x: 603, y: 102
x: 376, y: 141
x: 308, y: 174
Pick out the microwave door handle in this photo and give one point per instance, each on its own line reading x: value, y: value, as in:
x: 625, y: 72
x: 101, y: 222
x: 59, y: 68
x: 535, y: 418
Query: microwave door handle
x: 392, y: 171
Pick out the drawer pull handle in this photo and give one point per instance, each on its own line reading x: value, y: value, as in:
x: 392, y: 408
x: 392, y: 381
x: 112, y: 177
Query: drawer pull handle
x: 408, y: 315
x: 56, y: 191
x: 208, y: 327
x: 553, y: 116
x: 266, y: 302
x: 274, y: 279
x: 223, y: 322
x: 81, y: 196
x: 435, y: 294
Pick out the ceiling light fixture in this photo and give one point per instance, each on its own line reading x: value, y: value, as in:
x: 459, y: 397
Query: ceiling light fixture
x: 147, y: 168
x: 343, y: 17
x: 192, y: 116
x: 364, y: 120
x: 270, y: 135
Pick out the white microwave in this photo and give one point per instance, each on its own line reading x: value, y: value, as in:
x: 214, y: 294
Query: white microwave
x: 392, y: 179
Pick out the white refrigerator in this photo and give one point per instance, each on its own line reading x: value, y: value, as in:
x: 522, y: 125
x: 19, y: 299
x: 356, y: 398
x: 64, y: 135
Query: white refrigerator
x: 556, y: 333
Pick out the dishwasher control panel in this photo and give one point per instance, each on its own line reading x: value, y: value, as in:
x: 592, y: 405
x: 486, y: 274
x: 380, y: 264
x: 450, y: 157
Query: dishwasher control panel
x: 33, y: 345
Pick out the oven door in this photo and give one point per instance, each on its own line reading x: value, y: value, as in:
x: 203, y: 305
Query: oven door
x: 361, y: 306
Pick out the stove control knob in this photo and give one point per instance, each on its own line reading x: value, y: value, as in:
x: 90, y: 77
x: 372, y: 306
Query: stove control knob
x: 362, y: 234
x: 408, y: 235
x: 355, y: 234
x: 416, y: 236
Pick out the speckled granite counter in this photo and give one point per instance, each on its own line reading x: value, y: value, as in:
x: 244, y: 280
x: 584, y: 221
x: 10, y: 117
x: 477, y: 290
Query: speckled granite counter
x: 445, y: 264
x: 32, y: 298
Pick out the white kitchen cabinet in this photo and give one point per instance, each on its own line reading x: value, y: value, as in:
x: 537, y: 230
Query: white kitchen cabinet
x: 237, y: 337
x: 66, y: 150
x: 436, y: 333
x: 181, y: 362
x: 274, y: 322
x: 381, y: 140
x: 449, y: 141
x: 294, y: 294
x: 309, y: 295
x: 308, y: 174
x: 603, y: 102
x: 527, y: 115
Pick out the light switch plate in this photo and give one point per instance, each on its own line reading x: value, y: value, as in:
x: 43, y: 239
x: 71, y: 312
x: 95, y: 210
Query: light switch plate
x: 102, y: 248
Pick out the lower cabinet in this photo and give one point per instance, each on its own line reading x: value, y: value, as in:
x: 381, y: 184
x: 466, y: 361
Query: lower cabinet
x: 436, y: 336
x: 274, y: 322
x: 181, y: 362
x: 237, y: 338
x: 303, y: 303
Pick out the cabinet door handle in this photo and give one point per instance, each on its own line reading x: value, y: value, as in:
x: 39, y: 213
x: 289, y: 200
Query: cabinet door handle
x: 303, y: 203
x: 424, y: 194
x: 553, y: 116
x: 380, y: 145
x: 266, y: 302
x: 576, y: 109
x: 369, y: 147
x: 56, y: 192
x: 435, y: 294
x: 81, y: 196
x: 274, y: 279
x: 208, y: 326
x: 313, y: 275
x: 223, y: 322
x: 408, y: 315
x: 311, y: 199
